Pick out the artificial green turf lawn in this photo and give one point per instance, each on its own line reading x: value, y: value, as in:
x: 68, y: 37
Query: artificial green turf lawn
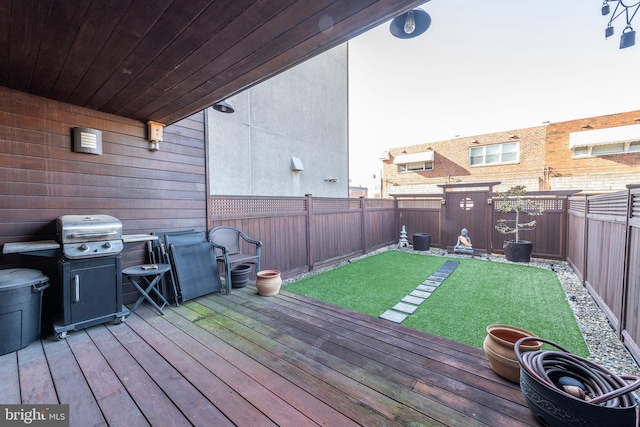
x: 477, y: 294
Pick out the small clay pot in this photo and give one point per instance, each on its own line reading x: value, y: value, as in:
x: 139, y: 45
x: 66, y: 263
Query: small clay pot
x: 268, y: 282
x: 499, y: 347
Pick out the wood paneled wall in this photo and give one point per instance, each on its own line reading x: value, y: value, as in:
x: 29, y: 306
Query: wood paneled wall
x: 41, y: 178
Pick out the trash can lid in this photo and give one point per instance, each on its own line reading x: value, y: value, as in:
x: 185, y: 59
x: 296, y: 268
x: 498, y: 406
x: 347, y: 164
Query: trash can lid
x: 19, y: 277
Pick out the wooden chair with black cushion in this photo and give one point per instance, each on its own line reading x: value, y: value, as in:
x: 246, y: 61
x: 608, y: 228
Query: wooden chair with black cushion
x: 229, y: 243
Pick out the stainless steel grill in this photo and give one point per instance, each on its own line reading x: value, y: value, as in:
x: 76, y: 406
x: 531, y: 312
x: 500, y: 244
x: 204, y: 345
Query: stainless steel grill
x: 90, y: 265
x: 89, y: 236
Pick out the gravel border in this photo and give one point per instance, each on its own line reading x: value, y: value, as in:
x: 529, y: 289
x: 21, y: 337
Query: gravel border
x: 603, y: 343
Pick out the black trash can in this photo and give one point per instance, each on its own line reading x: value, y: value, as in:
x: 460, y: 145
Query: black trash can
x: 421, y: 241
x: 20, y: 307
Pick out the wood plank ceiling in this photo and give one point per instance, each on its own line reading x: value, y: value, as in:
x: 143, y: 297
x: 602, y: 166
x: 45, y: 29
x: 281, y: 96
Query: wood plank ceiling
x: 164, y: 60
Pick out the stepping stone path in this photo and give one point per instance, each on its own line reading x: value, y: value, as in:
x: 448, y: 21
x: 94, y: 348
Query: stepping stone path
x: 409, y: 304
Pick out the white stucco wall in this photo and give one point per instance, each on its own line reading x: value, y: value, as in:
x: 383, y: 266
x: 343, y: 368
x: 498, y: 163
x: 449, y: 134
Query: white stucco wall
x: 301, y: 113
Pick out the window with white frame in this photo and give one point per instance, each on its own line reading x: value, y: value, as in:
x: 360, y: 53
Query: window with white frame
x: 606, y: 141
x: 415, y: 166
x: 494, y: 154
x: 605, y: 149
x: 414, y: 162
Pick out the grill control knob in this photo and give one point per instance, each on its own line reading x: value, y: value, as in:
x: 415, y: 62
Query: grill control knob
x: 106, y: 245
x: 83, y: 247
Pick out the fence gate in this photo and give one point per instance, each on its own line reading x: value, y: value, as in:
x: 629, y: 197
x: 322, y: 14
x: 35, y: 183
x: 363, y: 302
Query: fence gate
x: 468, y: 209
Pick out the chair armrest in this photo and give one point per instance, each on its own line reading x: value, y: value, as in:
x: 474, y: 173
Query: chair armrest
x: 222, y: 248
x: 248, y: 239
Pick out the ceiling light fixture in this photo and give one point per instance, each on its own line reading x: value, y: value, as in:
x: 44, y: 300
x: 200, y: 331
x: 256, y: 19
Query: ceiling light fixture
x: 628, y: 36
x: 410, y: 24
x: 223, y: 107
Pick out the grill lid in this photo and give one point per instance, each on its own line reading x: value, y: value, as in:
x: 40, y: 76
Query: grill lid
x: 88, y: 228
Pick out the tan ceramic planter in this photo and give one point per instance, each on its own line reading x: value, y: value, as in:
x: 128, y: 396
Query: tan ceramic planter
x: 499, y: 347
x: 268, y: 282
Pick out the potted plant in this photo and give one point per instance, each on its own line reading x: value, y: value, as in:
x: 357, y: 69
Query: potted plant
x: 513, y: 200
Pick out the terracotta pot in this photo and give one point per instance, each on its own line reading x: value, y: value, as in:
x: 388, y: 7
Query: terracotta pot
x: 268, y: 282
x: 499, y: 348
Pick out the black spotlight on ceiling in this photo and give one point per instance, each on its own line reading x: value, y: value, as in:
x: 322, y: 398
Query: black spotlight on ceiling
x: 223, y: 107
x: 628, y: 37
x: 410, y: 24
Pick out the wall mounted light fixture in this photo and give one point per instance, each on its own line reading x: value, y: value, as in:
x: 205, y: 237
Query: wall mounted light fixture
x: 155, y: 134
x: 87, y: 140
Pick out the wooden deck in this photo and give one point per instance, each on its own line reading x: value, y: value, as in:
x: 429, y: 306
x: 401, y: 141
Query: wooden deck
x: 248, y: 360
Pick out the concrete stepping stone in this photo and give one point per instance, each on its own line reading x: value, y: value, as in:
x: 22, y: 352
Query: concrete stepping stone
x: 421, y: 293
x: 436, y: 278
x: 430, y: 283
x: 393, y: 316
x: 451, y: 264
x: 405, y: 308
x: 413, y: 299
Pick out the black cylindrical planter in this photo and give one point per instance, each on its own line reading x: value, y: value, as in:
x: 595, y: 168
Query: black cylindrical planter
x: 421, y: 241
x: 519, y: 251
x: 240, y: 276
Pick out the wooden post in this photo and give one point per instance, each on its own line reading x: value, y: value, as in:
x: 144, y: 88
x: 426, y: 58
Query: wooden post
x: 363, y: 225
x: 625, y: 267
x: 310, y: 234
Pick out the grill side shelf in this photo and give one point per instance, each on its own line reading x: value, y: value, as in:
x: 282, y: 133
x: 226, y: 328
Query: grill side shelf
x: 48, y: 248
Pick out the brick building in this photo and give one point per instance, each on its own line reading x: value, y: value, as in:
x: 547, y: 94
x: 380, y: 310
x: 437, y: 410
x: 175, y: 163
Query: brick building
x: 593, y: 154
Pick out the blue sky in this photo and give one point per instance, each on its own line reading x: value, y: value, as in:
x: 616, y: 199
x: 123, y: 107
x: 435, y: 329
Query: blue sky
x: 485, y: 66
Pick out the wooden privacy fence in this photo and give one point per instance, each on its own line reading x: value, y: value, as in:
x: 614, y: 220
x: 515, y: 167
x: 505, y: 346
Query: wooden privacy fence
x: 604, y: 251
x: 304, y: 233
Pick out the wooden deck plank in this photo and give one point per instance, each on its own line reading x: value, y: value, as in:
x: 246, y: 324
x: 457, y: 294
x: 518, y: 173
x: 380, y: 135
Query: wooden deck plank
x: 70, y: 384
x: 36, y: 385
x: 318, y: 363
x: 156, y: 406
x: 9, y: 379
x: 302, y: 390
x: 352, y: 369
x: 203, y: 368
x: 198, y: 410
x: 116, y: 404
x: 362, y: 396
